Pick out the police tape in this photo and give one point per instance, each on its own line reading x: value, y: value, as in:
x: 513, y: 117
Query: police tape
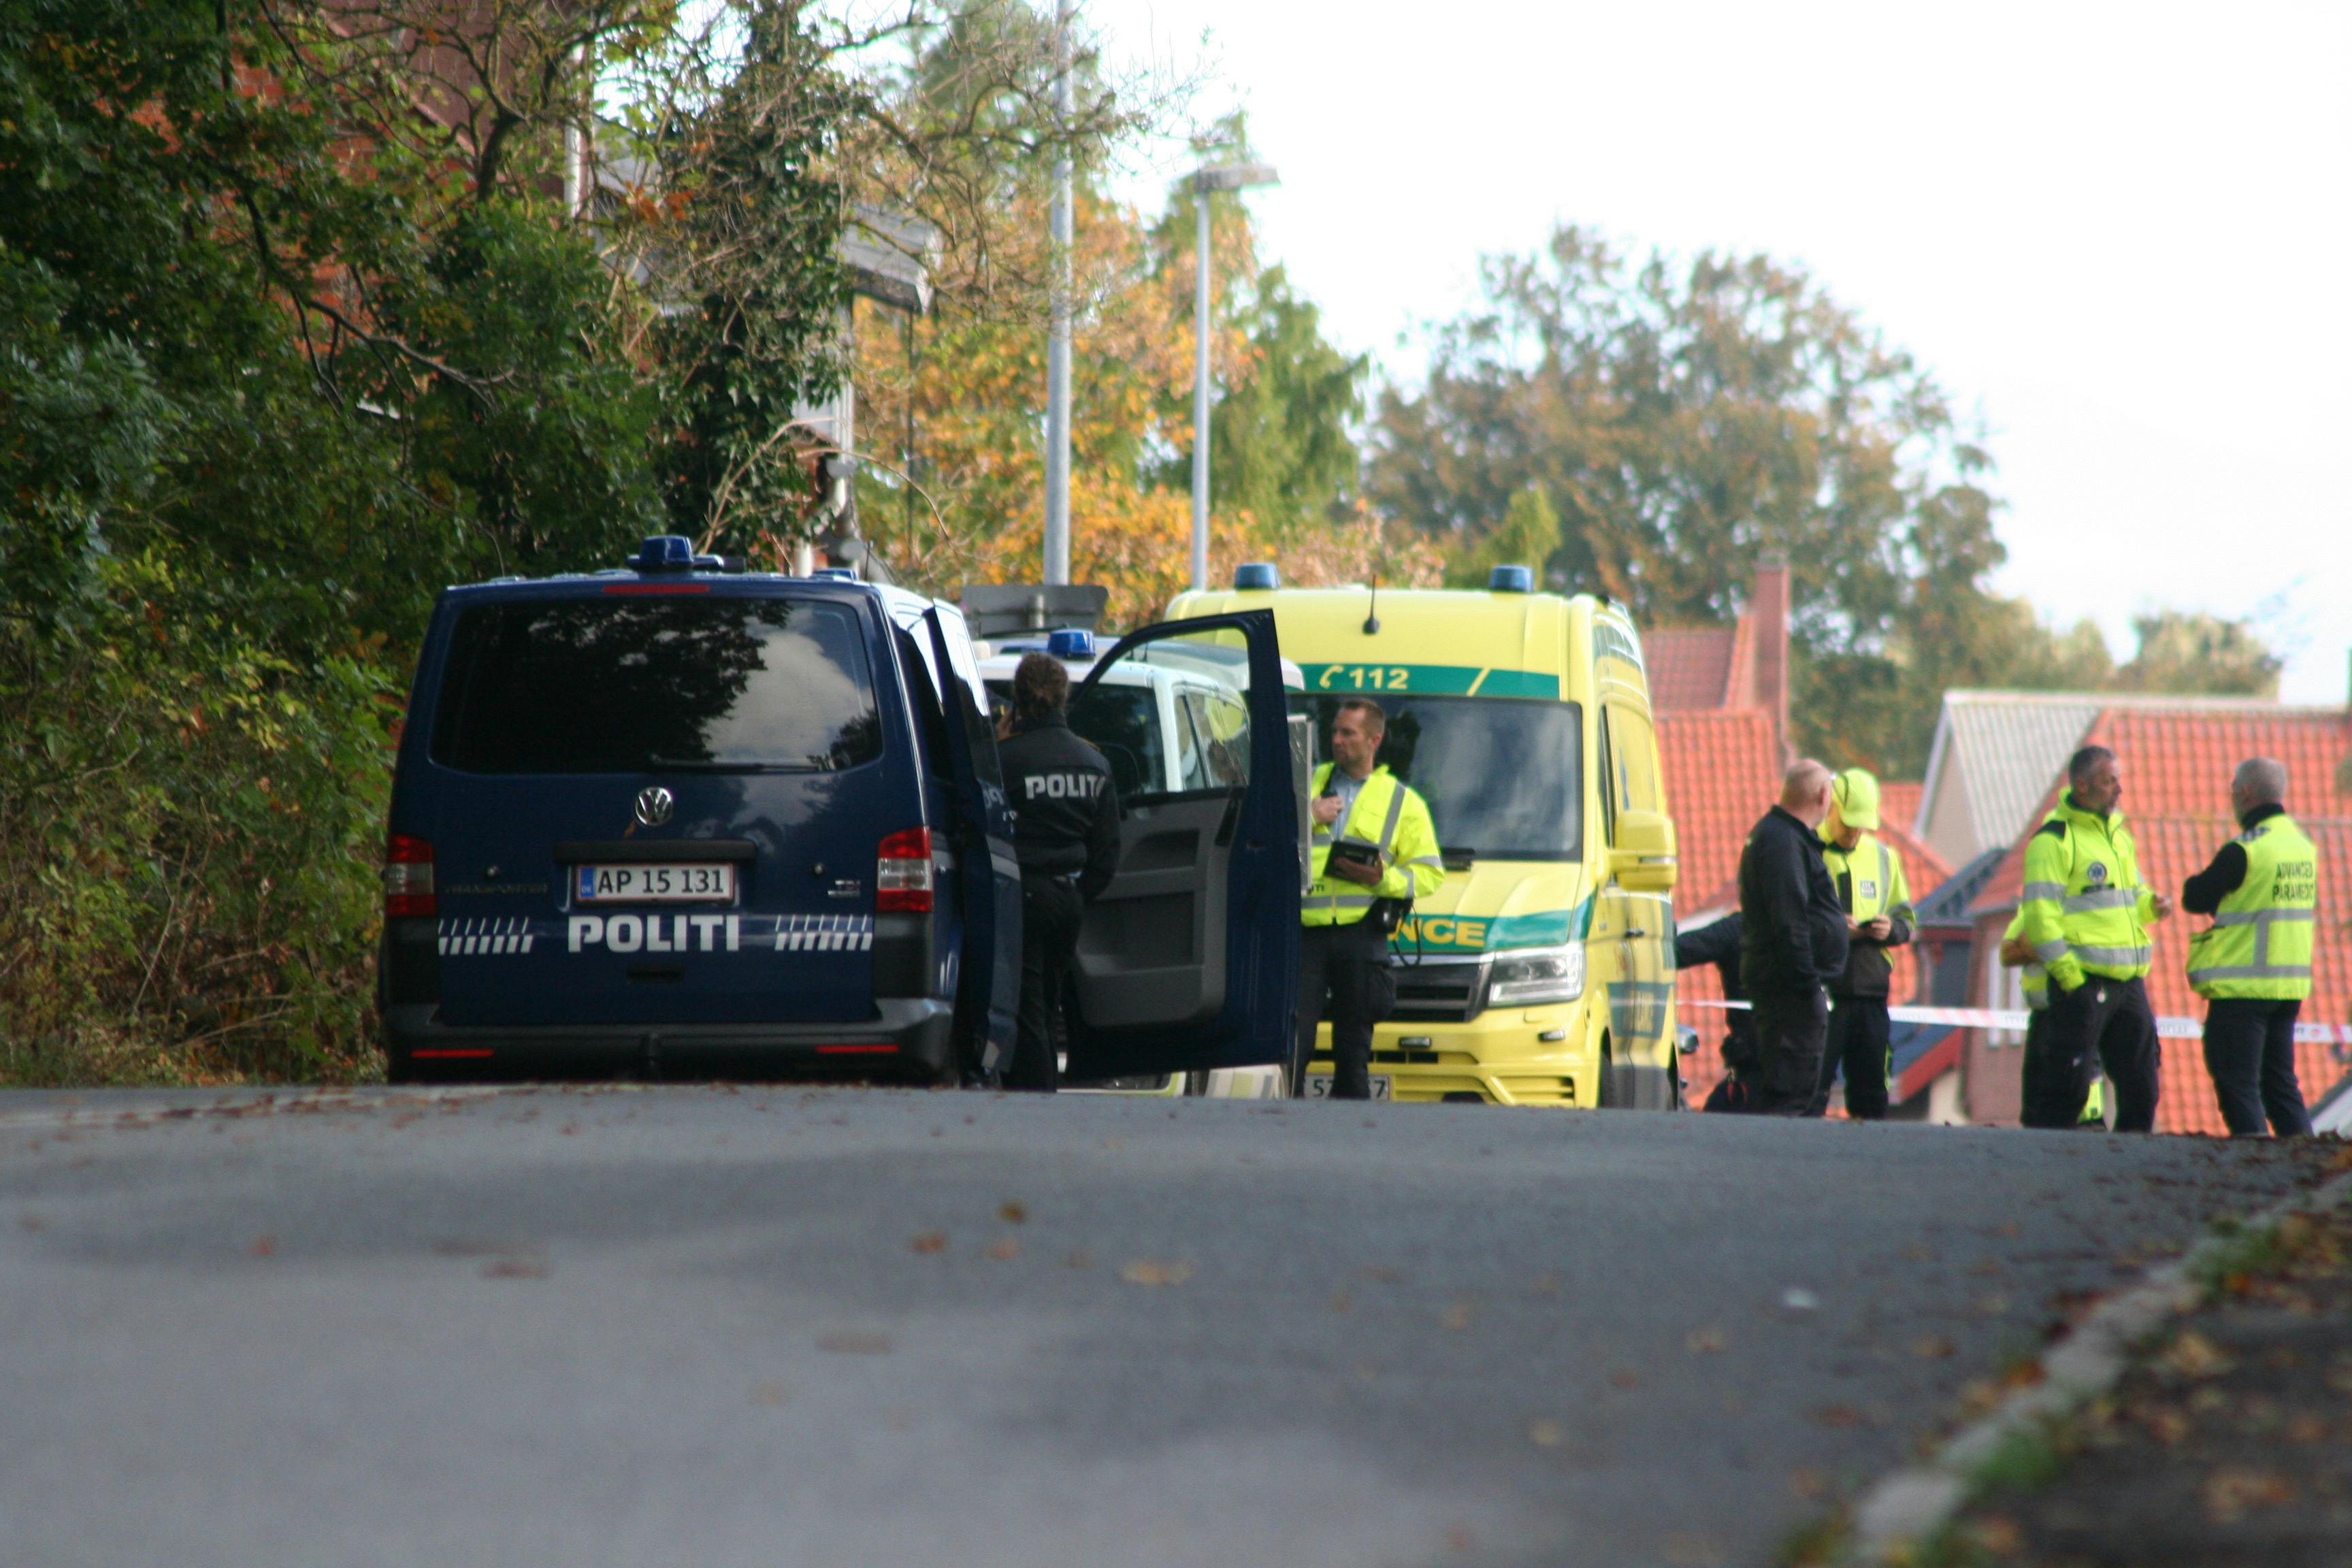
x: 2017, y: 1018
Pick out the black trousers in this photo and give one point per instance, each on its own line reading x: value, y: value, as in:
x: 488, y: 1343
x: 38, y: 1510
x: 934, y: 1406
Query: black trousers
x: 1857, y: 1041
x: 1050, y: 910
x: 2110, y: 1019
x: 1351, y: 964
x: 2249, y: 1051
x: 1790, y: 1034
x: 2054, y: 1089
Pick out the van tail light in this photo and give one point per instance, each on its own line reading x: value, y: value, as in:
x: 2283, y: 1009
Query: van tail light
x: 408, y: 879
x: 902, y: 873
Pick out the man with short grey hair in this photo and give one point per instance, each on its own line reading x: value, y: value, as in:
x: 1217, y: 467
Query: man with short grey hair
x: 2254, y: 963
x: 1792, y: 940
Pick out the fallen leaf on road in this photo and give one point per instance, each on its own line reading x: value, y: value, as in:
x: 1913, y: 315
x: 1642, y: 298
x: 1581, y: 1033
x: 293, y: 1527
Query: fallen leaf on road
x: 1013, y: 1214
x: 514, y: 1268
x: 1686, y: 1549
x: 1993, y: 1305
x: 1838, y: 1416
x: 2232, y: 1490
x: 1708, y: 1340
x: 1931, y: 1347
x: 1626, y: 1377
x: 930, y: 1241
x: 854, y: 1342
x: 769, y: 1393
x: 1004, y: 1251
x: 1457, y: 1539
x: 2305, y: 1429
x: 1547, y: 1433
x: 1999, y: 1534
x: 1808, y: 1483
x: 1341, y: 1301
x: 1547, y: 1285
x: 2194, y: 1355
x: 1460, y: 1315
x: 262, y: 1246
x: 1151, y: 1271
x: 1079, y: 1257
x: 2166, y: 1425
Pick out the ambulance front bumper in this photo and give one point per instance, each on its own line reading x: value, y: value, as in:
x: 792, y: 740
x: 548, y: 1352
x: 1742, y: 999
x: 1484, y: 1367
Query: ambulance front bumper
x: 1506, y: 1055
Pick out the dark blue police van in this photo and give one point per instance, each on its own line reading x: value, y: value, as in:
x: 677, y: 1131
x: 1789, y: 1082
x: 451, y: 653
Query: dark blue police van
x: 677, y: 820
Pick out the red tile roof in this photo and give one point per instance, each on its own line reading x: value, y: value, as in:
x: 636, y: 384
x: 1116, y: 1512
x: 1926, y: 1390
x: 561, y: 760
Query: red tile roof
x: 2177, y: 767
x: 1687, y: 668
x: 1696, y: 670
x: 1722, y: 772
x: 1898, y: 806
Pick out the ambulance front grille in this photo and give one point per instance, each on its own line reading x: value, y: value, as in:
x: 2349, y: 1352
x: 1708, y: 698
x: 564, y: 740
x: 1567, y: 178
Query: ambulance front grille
x: 1438, y: 993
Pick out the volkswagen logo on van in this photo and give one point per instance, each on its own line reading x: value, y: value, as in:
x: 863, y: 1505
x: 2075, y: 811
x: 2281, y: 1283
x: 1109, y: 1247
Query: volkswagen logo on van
x: 655, y: 805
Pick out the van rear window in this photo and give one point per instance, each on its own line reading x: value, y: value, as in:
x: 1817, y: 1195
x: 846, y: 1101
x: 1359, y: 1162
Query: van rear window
x: 641, y: 684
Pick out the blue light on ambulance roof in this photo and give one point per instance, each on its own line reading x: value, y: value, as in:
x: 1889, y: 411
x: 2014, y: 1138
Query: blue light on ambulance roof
x: 1511, y: 580
x: 1256, y: 576
x: 1071, y: 642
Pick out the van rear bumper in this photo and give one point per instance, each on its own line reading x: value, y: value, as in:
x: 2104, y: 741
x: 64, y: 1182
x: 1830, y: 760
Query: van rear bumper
x: 907, y: 1037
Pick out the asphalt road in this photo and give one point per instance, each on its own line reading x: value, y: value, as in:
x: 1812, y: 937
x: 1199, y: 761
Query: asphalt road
x: 788, y: 1326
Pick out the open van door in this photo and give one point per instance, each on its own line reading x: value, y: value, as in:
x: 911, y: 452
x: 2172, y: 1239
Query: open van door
x: 988, y: 989
x: 1188, y: 961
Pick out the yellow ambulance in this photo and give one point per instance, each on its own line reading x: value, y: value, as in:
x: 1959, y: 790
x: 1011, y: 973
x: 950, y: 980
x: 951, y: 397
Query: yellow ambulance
x: 1542, y: 971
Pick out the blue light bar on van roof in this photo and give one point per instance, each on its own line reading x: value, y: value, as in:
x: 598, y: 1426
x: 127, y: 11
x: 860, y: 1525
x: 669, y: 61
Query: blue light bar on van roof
x: 1256, y: 576
x: 672, y: 552
x: 1071, y: 642
x: 1511, y: 580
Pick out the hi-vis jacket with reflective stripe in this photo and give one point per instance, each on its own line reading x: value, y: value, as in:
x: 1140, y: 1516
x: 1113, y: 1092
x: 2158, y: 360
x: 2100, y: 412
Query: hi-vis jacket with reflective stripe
x: 2085, y: 910
x: 2261, y: 940
x: 2035, y: 980
x: 1393, y: 819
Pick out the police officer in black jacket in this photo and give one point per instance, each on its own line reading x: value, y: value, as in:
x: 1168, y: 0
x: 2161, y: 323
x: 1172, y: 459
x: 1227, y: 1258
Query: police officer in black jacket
x: 1066, y: 830
x: 1717, y: 942
x: 1792, y: 940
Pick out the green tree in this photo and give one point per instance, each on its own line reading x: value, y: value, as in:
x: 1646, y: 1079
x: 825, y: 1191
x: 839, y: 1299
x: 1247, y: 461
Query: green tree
x: 2199, y: 655
x: 275, y: 365
x: 1681, y: 419
x: 1282, y: 438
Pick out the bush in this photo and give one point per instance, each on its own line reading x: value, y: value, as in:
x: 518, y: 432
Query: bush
x: 189, y: 834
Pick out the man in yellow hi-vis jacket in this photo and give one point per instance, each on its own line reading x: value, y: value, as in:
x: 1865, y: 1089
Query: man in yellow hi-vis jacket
x: 1878, y: 916
x: 2086, y: 914
x: 1374, y: 851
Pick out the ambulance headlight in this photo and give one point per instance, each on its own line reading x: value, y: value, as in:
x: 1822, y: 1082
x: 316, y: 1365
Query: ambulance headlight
x: 1523, y: 976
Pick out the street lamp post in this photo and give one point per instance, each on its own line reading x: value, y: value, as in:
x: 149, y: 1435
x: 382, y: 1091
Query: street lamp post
x: 1057, y: 334
x: 1221, y: 177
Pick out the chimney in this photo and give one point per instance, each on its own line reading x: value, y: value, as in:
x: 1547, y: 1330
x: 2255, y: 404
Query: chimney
x: 1768, y: 611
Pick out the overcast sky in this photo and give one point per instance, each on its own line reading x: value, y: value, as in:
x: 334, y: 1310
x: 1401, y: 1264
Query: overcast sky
x: 2118, y: 233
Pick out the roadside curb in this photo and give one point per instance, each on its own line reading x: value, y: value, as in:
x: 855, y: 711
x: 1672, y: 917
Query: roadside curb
x: 1903, y: 1512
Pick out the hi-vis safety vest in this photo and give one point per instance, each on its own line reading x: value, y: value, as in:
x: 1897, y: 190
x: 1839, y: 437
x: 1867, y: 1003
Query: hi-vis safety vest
x: 1872, y: 875
x: 2261, y: 939
x: 2085, y: 910
x: 1394, y: 820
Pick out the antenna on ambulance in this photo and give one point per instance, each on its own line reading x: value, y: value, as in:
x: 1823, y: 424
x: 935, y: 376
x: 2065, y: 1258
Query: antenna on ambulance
x: 1372, y: 621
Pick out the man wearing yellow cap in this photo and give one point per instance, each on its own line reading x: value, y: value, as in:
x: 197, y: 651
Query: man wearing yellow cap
x: 1878, y: 916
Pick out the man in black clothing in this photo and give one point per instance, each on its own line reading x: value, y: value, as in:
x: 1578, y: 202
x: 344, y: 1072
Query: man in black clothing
x: 1792, y: 940
x: 1717, y: 942
x: 1066, y: 830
